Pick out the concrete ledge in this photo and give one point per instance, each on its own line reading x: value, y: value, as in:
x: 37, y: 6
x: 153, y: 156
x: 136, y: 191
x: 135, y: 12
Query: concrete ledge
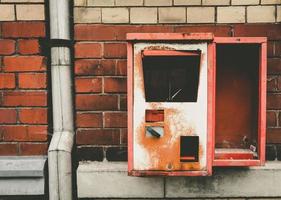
x: 110, y: 180
x: 22, y: 175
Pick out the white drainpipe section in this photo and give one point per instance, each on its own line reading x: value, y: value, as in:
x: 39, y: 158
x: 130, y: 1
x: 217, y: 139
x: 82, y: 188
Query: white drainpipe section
x: 59, y: 152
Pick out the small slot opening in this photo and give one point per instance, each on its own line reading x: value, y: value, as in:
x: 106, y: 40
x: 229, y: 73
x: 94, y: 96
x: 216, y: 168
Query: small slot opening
x: 189, y: 148
x: 154, y: 115
x: 172, y: 78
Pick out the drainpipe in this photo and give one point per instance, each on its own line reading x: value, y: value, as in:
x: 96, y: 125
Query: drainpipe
x: 59, y: 152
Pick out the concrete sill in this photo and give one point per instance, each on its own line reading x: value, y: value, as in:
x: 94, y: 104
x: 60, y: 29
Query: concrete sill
x: 110, y: 180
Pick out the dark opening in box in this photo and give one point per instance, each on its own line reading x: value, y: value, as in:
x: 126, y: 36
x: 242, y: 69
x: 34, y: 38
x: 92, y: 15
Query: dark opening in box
x: 171, y: 78
x: 189, y: 148
x: 237, y: 89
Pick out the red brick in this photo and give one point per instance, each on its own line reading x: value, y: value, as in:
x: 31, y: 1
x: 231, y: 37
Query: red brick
x: 272, y: 31
x: 7, y: 81
x: 121, y: 68
x: 273, y: 101
x: 217, y: 30
x: 94, y: 67
x: 23, y: 29
x: 27, y: 149
x: 272, y: 83
x: 271, y: 119
x: 91, y: 120
x: 7, y: 47
x: 96, y: 102
x: 270, y: 49
x: 24, y: 133
x: 94, y: 32
x: 115, y: 85
x: 121, y: 31
x: 115, y: 50
x: 8, y: 116
x: 32, y: 80
x: 123, y: 103
x: 98, y: 137
x: 88, y: 85
x: 273, y: 135
x: 33, y: 116
x: 274, y: 65
x: 88, y: 50
x: 28, y: 46
x: 279, y: 83
x: 124, y: 136
x: 8, y: 149
x: 115, y: 120
x: 277, y: 49
x: 116, y: 32
x: 24, y: 63
x: 24, y: 99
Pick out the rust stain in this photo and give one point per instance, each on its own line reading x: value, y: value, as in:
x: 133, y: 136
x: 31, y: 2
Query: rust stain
x: 164, y: 152
x: 158, y: 47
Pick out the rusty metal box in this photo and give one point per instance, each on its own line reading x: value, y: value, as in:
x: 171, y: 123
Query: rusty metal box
x: 170, y: 98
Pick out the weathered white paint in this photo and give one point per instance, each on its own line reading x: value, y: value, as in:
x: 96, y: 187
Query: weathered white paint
x: 192, y: 116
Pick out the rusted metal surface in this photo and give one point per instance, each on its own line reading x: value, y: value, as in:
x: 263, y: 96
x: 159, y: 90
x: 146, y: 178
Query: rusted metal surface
x: 161, y: 156
x: 169, y: 53
x: 170, y: 36
x: 252, y: 131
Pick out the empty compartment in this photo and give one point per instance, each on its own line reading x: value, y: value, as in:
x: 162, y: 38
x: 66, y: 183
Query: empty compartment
x: 171, y: 78
x: 237, y: 100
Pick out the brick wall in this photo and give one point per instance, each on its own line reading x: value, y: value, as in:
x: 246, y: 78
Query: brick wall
x: 177, y: 11
x: 100, y: 59
x: 100, y: 70
x: 23, y: 82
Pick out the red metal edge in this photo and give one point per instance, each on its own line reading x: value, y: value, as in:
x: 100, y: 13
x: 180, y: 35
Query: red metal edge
x: 236, y: 163
x: 262, y: 97
x: 262, y: 102
x: 170, y: 36
x: 210, y: 107
x: 130, y: 104
x: 168, y: 53
x: 230, y: 40
x: 167, y: 173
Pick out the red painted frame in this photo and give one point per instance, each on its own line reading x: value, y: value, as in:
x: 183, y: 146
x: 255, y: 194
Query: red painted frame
x: 171, y: 37
x: 262, y: 41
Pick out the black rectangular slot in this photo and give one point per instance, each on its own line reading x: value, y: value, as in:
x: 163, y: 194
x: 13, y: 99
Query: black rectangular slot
x: 189, y: 148
x: 172, y: 78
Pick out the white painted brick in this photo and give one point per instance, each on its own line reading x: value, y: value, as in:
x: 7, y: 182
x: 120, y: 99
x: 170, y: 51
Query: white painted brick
x: 100, y: 2
x: 231, y: 14
x: 7, y: 13
x: 158, y: 2
x: 172, y: 15
x: 271, y: 2
x: 261, y: 14
x: 216, y: 2
x: 115, y: 15
x: 187, y: 2
x: 21, y: 1
x: 143, y: 15
x: 278, y: 13
x: 80, y: 2
x: 245, y: 2
x: 129, y: 2
x: 87, y: 15
x: 200, y: 15
x: 30, y: 12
